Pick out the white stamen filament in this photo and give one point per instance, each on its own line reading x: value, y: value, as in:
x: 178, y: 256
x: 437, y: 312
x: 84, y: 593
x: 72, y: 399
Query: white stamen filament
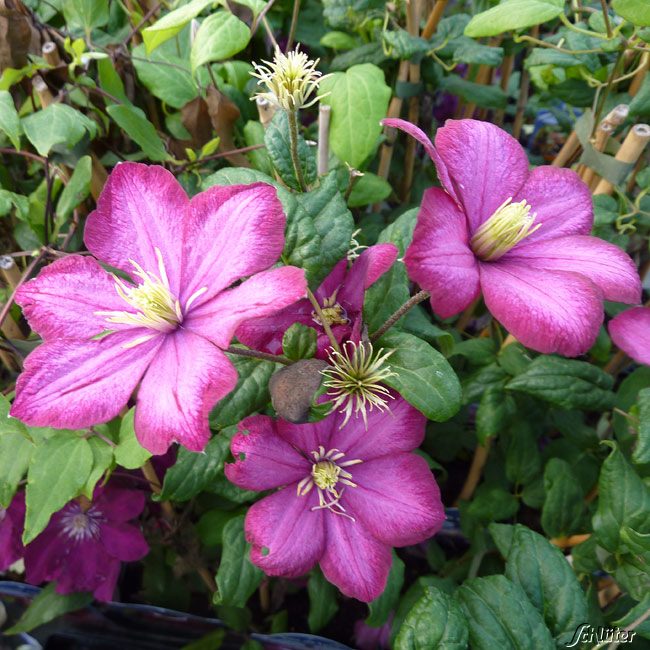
x: 510, y: 224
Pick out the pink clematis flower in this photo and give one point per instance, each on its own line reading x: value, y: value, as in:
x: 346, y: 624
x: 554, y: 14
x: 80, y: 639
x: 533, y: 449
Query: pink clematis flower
x: 83, y: 547
x: 167, y: 326
x: 519, y: 237
x: 340, y: 296
x: 347, y: 495
x: 12, y: 521
x: 630, y: 331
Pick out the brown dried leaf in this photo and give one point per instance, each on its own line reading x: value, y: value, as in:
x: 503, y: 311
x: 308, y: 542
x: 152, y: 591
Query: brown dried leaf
x: 223, y: 114
x: 196, y: 119
x: 293, y: 388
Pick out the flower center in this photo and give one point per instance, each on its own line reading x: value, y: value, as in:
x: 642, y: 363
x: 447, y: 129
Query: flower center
x: 332, y: 312
x: 327, y: 472
x: 80, y: 525
x: 510, y: 224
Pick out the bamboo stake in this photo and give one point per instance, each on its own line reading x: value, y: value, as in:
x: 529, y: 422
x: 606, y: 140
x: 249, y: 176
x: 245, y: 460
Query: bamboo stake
x: 40, y: 87
x: 568, y: 151
x: 639, y: 77
x: 475, y: 471
x: 506, y: 72
x: 51, y: 54
x: 617, y: 115
x: 324, y: 112
x: 629, y: 153
x: 434, y: 18
x: 524, y: 86
x: 10, y: 271
x: 600, y: 141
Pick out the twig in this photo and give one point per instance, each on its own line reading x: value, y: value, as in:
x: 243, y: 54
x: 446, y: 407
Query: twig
x: 294, y: 24
x: 254, y: 354
x: 608, y: 25
x: 324, y: 112
x: 393, y: 318
x: 475, y: 471
x: 568, y: 542
x: 154, y: 483
x: 524, y: 86
x: 323, y: 321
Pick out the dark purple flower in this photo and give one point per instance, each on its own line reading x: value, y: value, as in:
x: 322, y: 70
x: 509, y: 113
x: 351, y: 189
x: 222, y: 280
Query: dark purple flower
x: 84, y: 544
x: 11, y: 529
x: 373, y: 638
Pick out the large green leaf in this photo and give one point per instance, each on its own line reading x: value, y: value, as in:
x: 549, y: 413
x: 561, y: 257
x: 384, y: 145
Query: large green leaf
x: 513, y: 14
x: 434, y: 621
x: 424, y: 377
x: 85, y: 14
x: 322, y: 601
x: 382, y: 606
x: 219, y: 37
x: 9, y: 120
x: 129, y: 453
x: 641, y: 452
x: 237, y: 577
x: 547, y: 578
x: 500, y: 616
x: 56, y: 124
x: 359, y: 100
x: 636, y: 11
x: 564, y: 503
x: 134, y: 123
x: 59, y: 469
x: 172, y: 23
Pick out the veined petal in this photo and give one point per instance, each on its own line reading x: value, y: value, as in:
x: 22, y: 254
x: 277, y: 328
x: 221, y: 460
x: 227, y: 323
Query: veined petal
x: 356, y: 562
x: 396, y: 499
x: 630, y: 331
x: 63, y: 300
x: 308, y: 437
x: 141, y: 208
x: 261, y: 295
x: 232, y: 232
x: 286, y: 535
x: 606, y: 265
x: 188, y: 376
x: 123, y: 541
x: 439, y: 258
x: 264, y: 460
x: 119, y: 504
x: 547, y: 311
x: 74, y: 384
x: 486, y: 165
x: 561, y: 201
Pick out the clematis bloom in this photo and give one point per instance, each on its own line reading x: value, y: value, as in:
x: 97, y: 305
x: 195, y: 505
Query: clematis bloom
x: 83, y: 546
x: 346, y: 495
x: 340, y: 297
x: 12, y: 521
x: 630, y: 331
x: 166, y: 327
x: 520, y: 238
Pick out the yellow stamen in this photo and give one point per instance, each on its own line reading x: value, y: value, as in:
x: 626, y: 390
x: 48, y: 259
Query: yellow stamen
x: 510, y: 224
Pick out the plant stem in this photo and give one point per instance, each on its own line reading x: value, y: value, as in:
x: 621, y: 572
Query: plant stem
x: 154, y: 483
x: 294, y: 24
x: 409, y: 304
x: 475, y: 471
x: 323, y: 320
x: 608, y: 25
x: 254, y: 354
x: 293, y: 142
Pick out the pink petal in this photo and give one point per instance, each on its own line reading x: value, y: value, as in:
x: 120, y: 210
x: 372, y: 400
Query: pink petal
x: 261, y: 295
x: 110, y: 574
x: 630, y: 331
x: 606, y: 265
x: 123, y: 541
x: 263, y: 460
x: 486, y: 165
x: 186, y: 379
x: 119, y: 504
x: 286, y: 535
x: 353, y: 560
x: 561, y: 201
x: 308, y: 437
x: 547, y: 311
x: 63, y: 299
x: 439, y: 258
x: 232, y: 232
x: 398, y: 430
x: 141, y: 208
x: 75, y: 384
x: 333, y: 281
x: 397, y: 499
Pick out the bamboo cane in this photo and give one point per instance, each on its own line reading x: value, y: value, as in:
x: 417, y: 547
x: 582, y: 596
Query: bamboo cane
x: 51, y: 54
x: 639, y: 77
x: 603, y: 132
x: 324, y: 112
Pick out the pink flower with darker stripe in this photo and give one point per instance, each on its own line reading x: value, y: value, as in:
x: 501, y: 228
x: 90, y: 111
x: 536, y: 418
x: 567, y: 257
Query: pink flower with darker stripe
x: 343, y: 495
x: 163, y: 323
x: 630, y: 331
x: 519, y: 238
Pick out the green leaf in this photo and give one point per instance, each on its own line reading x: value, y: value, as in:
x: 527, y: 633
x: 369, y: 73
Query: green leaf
x: 134, y: 122
x: 210, y: 527
x: 635, y: 613
x: 636, y: 11
x: 172, y: 23
x: 359, y: 91
x: 323, y: 603
x: 424, y: 377
x: 338, y: 41
x: 56, y: 124
x: 58, y: 471
x: 102, y: 460
x: 129, y: 453
x: 15, y: 453
x: 641, y: 453
x: 467, y: 50
x: 564, y: 503
x: 278, y: 147
x: 369, y: 189
x: 479, y: 94
x: 523, y: 460
x: 299, y: 342
x: 47, y: 606
x: 623, y: 500
x: 495, y: 410
x: 77, y: 188
x: 111, y: 82
x: 382, y: 606
x: 193, y: 471
x: 513, y: 14
x: 85, y: 14
x: 220, y: 36
x: 434, y: 621
x: 547, y: 578
x: 251, y: 393
x: 500, y: 616
x: 9, y: 120
x: 566, y: 383
x: 237, y: 577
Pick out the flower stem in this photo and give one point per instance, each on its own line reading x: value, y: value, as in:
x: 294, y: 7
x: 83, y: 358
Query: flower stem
x: 294, y: 24
x: 475, y: 471
x: 409, y: 304
x: 293, y: 143
x: 323, y: 320
x: 254, y: 354
x: 154, y: 483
